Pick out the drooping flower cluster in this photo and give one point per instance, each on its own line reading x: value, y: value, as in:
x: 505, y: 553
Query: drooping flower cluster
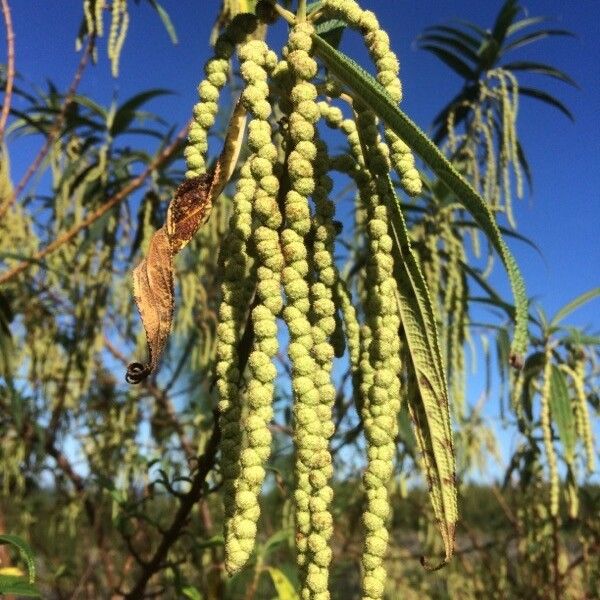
x: 278, y: 261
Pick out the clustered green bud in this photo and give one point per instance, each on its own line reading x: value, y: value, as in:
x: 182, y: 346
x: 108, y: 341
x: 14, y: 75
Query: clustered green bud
x: 236, y: 291
x: 545, y: 419
x: 255, y: 60
x: 582, y: 415
x: 388, y: 67
x: 309, y: 348
x: 205, y: 111
x: 118, y: 30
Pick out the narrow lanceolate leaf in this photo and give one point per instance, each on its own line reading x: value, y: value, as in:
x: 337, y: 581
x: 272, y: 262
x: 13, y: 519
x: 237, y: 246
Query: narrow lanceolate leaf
x: 368, y: 90
x: 451, y: 60
x: 17, y: 586
x: 562, y: 413
x: 429, y: 407
x: 451, y: 44
x: 24, y: 550
x: 541, y: 69
x: 166, y: 20
x: 534, y: 37
x: 565, y: 311
x: 153, y: 277
x: 283, y: 586
x: 546, y: 98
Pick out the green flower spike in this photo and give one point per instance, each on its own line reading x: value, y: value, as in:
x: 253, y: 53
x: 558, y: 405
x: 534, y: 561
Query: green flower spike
x: 236, y: 291
x: 256, y: 59
x: 382, y: 404
x: 377, y: 42
x: 545, y: 418
x: 118, y: 30
x: 582, y: 414
x: 313, y: 462
x: 217, y: 72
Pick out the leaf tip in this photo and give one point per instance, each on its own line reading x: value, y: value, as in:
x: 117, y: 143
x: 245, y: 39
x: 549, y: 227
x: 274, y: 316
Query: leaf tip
x: 428, y: 566
x: 137, y: 372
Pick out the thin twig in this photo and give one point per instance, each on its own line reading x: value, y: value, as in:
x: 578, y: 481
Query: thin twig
x: 68, y: 235
x: 10, y: 68
x: 205, y: 465
x: 54, y: 131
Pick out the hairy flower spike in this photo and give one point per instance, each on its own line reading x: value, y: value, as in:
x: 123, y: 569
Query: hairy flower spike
x: 324, y: 325
x: 388, y: 67
x: 581, y: 412
x: 216, y: 71
x: 380, y: 362
x: 545, y: 419
x: 309, y: 350
x: 240, y: 530
x: 118, y: 30
x: 236, y: 291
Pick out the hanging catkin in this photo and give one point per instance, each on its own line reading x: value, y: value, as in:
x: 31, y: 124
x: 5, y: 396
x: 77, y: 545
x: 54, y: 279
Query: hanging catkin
x: 116, y: 36
x: 216, y: 71
x: 256, y: 59
x: 236, y: 290
x: 582, y: 414
x: 545, y: 419
x: 383, y: 400
x: 377, y: 42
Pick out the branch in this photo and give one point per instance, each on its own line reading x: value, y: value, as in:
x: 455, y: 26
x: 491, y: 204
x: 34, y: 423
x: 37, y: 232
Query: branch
x: 78, y: 483
x: 54, y: 131
x: 205, y: 464
x: 10, y: 68
x: 99, y: 212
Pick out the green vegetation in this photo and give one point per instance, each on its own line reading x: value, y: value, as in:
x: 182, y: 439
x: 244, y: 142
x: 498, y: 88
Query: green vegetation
x: 304, y: 377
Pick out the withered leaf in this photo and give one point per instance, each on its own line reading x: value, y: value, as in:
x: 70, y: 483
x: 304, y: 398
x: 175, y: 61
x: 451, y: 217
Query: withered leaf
x: 188, y: 210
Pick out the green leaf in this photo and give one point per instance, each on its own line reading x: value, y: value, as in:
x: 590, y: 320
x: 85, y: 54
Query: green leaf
x: 283, y: 586
x: 457, y: 34
x: 405, y: 430
x: 166, y: 20
x: 429, y: 407
x: 579, y: 338
x: 331, y: 30
x: 523, y: 23
x: 541, y: 69
x: 91, y: 105
x: 17, y: 586
x: 368, y: 90
x: 24, y: 550
x: 560, y: 407
x: 565, y: 311
x: 127, y: 112
x: 455, y: 63
x: 530, y: 38
x: 525, y: 165
x: 281, y: 537
x: 191, y: 592
x: 451, y: 43
x: 506, y: 16
x: 547, y: 99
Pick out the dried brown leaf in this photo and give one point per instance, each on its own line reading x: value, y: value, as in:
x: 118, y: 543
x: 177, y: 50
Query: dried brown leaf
x: 188, y: 210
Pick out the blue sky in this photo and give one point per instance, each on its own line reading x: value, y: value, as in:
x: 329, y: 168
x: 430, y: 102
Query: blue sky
x: 562, y: 216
